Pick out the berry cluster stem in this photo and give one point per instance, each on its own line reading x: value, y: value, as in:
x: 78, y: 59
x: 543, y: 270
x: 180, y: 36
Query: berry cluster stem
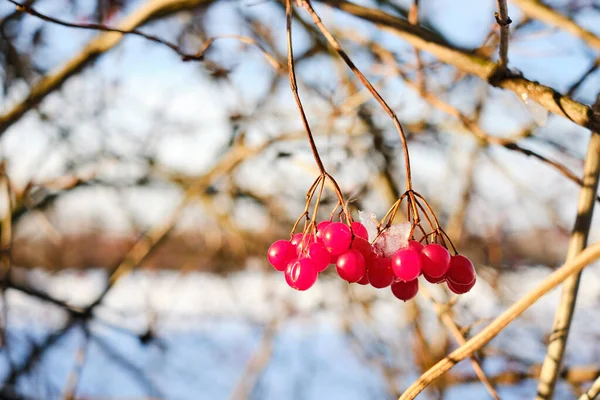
x: 363, y: 79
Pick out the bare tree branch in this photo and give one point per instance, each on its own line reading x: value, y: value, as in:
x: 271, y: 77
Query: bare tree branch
x: 564, y: 313
x: 540, y: 11
x: 585, y: 258
x: 94, y: 49
x: 504, y: 21
x: 476, y: 65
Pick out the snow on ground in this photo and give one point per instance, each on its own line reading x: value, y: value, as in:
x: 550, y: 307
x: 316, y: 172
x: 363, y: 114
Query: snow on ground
x: 209, y: 327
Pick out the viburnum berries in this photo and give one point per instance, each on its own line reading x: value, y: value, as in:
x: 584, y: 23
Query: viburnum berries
x: 388, y: 260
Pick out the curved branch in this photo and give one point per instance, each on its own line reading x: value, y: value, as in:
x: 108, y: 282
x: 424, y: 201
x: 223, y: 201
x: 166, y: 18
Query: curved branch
x: 584, y: 259
x: 94, y: 49
x: 481, y: 67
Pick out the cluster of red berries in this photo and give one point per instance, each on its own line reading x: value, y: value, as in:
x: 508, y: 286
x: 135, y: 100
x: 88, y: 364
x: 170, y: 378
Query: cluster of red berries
x: 357, y: 261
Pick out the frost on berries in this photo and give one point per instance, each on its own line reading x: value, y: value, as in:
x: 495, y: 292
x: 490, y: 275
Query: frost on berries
x: 396, y: 237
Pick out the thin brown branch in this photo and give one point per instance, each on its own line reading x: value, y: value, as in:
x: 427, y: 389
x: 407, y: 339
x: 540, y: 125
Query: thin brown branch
x: 535, y: 9
x: 593, y: 391
x: 585, y: 258
x: 564, y: 313
x: 337, y: 47
x: 503, y: 21
x: 294, y: 86
x: 444, y: 315
x: 92, y: 50
x: 476, y: 65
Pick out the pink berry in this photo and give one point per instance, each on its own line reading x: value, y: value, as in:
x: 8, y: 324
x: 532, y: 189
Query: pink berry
x: 414, y: 245
x: 461, y: 270
x: 380, y: 273
x: 364, y: 280
x: 296, y: 239
x: 434, y: 280
x: 320, y: 228
x: 435, y: 260
x: 302, y: 274
x: 280, y: 254
x: 351, y: 265
x: 460, y: 289
x: 360, y: 230
x: 364, y: 248
x: 337, y: 238
x: 406, y: 264
x: 405, y: 290
x: 319, y: 255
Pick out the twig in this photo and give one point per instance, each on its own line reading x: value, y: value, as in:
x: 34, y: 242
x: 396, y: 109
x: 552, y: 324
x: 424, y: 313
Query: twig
x: 294, y: 86
x: 336, y: 46
x: 564, y: 313
x: 593, y: 391
x: 446, y: 318
x: 92, y: 50
x: 504, y: 21
x: 588, y: 256
x: 476, y: 65
x: 540, y: 11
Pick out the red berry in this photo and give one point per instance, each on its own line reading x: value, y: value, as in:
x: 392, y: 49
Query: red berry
x: 364, y: 280
x: 414, y: 245
x: 406, y: 264
x: 434, y: 280
x: 296, y: 239
x: 405, y: 290
x: 360, y: 230
x: 435, y: 260
x: 319, y: 255
x: 380, y: 273
x: 364, y: 248
x: 337, y: 238
x: 460, y: 289
x: 280, y: 254
x: 461, y: 270
x: 302, y: 274
x: 351, y: 265
x: 320, y: 228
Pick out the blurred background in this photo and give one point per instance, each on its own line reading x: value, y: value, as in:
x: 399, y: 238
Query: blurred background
x: 139, y: 193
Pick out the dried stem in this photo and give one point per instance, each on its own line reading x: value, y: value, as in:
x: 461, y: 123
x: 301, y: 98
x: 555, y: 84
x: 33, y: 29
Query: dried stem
x: 444, y: 315
x: 592, y: 392
x: 336, y: 46
x: 588, y: 256
x: 504, y: 21
x: 564, y: 313
x: 294, y: 86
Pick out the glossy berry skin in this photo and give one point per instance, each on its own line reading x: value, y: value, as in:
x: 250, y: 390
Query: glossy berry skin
x: 337, y: 238
x: 434, y: 280
x: 364, y: 248
x: 360, y: 230
x: 364, y: 280
x: 460, y: 289
x: 320, y: 228
x: 405, y: 290
x: 435, y: 260
x: 319, y: 256
x: 351, y: 266
x: 380, y: 273
x: 461, y: 271
x: 414, y: 245
x: 280, y: 254
x: 406, y: 264
x: 301, y: 275
x: 296, y: 239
